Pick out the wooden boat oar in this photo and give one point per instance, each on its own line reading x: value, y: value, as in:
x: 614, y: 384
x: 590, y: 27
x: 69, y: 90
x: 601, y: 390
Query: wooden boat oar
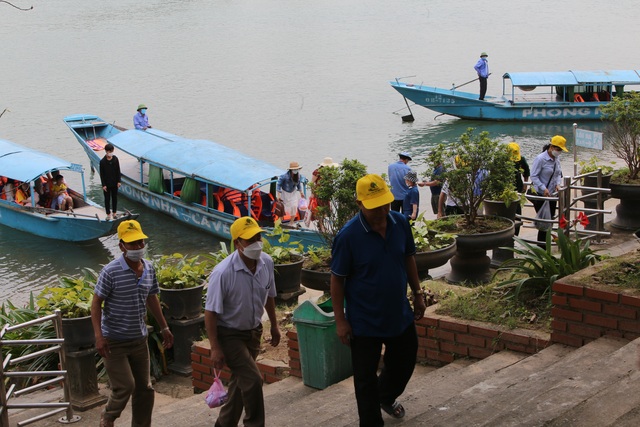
x: 454, y: 87
x: 409, y: 117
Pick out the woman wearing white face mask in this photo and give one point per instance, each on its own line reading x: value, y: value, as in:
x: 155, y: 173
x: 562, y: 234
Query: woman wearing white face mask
x: 546, y: 175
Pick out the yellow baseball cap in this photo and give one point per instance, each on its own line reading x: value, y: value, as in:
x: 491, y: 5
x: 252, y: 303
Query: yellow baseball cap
x: 515, y: 151
x: 244, y: 228
x: 559, y: 141
x: 130, y: 231
x: 373, y: 192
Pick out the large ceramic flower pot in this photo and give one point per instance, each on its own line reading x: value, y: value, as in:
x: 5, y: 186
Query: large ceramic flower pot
x: 627, y: 217
x: 471, y: 264
x: 499, y: 208
x: 433, y: 259
x: 287, y: 278
x: 181, y: 303
x: 316, y: 279
x: 78, y: 333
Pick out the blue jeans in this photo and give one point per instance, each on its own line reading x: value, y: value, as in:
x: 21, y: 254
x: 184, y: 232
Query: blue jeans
x: 398, y: 363
x: 129, y: 375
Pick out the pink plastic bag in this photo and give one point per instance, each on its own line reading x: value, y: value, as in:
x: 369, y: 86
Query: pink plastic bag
x: 217, y: 395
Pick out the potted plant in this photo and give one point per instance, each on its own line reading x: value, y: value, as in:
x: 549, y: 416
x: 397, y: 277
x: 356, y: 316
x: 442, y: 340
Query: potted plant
x: 623, y: 130
x: 475, y: 167
x: 73, y: 298
x: 433, y: 249
x: 287, y: 259
x: 182, y: 281
x: 334, y: 189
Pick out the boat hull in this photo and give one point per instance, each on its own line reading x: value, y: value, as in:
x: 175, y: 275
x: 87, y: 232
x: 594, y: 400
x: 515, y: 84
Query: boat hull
x: 466, y: 105
x: 59, y: 226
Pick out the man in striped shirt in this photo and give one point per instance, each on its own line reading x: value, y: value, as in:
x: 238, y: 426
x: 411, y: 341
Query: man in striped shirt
x: 125, y: 288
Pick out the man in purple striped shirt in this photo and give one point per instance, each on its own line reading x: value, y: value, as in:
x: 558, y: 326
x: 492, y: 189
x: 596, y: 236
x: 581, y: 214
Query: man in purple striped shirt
x: 125, y: 288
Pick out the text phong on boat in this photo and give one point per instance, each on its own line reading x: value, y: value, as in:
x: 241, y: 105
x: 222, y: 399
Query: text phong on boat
x: 529, y: 96
x: 28, y: 203
x: 198, y: 182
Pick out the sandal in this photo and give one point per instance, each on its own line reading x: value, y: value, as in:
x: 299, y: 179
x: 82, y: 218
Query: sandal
x: 396, y: 410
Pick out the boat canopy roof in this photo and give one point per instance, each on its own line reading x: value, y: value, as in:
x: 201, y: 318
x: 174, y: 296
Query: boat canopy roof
x: 24, y: 164
x: 196, y: 158
x: 574, y: 78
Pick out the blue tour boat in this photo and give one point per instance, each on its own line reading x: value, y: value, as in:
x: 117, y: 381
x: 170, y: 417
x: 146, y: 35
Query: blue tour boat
x: 530, y: 96
x: 197, y: 182
x: 86, y: 221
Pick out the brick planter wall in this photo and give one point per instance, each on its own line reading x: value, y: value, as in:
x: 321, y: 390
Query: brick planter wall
x: 443, y: 339
x: 202, y: 375
x: 582, y: 314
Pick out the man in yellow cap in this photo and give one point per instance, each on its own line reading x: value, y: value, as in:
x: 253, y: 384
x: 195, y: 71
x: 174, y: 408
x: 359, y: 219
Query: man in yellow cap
x: 240, y: 289
x: 140, y: 119
x: 522, y: 171
x: 125, y: 288
x: 372, y: 261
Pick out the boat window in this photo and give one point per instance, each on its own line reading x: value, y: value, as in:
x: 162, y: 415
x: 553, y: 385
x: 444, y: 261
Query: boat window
x: 190, y: 191
x: 156, y: 180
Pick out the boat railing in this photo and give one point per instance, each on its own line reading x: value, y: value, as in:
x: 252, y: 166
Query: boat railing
x: 53, y: 345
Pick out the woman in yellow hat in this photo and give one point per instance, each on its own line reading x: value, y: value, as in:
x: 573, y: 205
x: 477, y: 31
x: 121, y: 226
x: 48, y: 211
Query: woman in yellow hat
x: 546, y: 175
x: 522, y: 171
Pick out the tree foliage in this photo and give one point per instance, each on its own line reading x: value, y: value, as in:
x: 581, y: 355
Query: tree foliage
x: 335, y: 190
x: 623, y: 117
x: 475, y: 168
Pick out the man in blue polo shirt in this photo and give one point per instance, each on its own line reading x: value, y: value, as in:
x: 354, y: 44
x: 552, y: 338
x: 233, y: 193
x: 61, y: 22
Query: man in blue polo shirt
x: 397, y: 172
x: 125, y: 288
x: 372, y: 261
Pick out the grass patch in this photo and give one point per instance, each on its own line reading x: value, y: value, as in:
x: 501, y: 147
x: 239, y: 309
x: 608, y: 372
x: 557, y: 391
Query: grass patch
x: 498, y: 306
x: 622, y: 273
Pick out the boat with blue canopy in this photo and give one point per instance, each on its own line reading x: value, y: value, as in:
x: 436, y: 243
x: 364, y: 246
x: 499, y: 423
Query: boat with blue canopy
x: 29, y: 171
x: 198, y: 182
x: 529, y: 96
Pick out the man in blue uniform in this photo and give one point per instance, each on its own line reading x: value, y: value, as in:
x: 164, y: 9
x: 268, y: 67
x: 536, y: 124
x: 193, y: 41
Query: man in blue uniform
x: 397, y: 172
x: 372, y: 261
x: 482, y: 68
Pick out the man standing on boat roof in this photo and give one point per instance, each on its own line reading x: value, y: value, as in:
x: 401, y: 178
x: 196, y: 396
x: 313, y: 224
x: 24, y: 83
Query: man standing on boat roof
x: 482, y: 68
x: 140, y: 119
x: 397, y: 172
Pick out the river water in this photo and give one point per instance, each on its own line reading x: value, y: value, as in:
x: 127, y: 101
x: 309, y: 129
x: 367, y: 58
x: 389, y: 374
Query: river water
x: 281, y: 80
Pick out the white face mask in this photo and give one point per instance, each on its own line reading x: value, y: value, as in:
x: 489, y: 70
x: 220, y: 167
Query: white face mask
x: 253, y: 250
x: 135, y: 255
x: 555, y: 153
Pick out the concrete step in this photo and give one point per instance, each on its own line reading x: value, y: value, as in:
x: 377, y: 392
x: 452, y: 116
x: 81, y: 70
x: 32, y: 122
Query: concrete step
x: 496, y: 400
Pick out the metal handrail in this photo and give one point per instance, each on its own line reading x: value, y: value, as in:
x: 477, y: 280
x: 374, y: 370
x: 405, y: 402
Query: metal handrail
x: 59, y: 375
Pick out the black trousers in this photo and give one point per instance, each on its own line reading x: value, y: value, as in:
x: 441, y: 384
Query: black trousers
x: 483, y: 87
x: 396, y: 205
x: 111, y: 199
x: 398, y: 363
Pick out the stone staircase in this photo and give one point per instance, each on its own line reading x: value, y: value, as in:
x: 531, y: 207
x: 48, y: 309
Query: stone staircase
x: 595, y: 385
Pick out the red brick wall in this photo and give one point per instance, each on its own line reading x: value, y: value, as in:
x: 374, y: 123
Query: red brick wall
x: 202, y: 375
x: 582, y: 314
x: 295, y: 369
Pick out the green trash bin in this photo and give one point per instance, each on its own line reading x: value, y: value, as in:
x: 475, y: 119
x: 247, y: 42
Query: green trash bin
x: 323, y: 358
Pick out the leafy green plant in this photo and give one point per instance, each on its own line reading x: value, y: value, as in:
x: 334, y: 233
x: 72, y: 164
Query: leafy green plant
x: 535, y: 269
x: 335, y: 190
x: 317, y: 258
x: 428, y: 240
x: 73, y: 297
x: 177, y: 271
x: 623, y: 117
x: 286, y: 251
x: 593, y: 165
x: 475, y: 167
x: 509, y: 195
